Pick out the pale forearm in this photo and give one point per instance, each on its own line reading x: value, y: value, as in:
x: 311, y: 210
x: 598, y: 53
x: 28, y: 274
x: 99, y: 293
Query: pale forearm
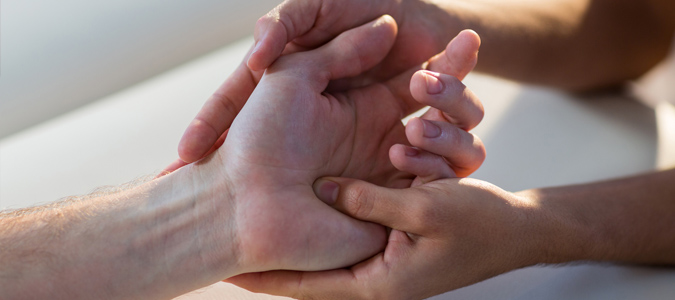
x: 626, y: 220
x: 150, y: 242
x: 572, y: 44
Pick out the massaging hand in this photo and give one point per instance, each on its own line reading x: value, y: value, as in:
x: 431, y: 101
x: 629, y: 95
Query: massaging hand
x: 445, y: 235
x: 299, y: 25
x: 291, y: 132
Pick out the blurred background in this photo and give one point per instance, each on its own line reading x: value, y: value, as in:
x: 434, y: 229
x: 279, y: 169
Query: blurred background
x: 59, y: 55
x: 60, y: 62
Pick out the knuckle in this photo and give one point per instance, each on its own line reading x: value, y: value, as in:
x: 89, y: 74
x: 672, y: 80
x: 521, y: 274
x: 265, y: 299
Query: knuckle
x: 353, y: 202
x: 455, y: 89
x: 452, y: 138
x: 421, y: 211
x: 228, y: 106
x: 357, y: 202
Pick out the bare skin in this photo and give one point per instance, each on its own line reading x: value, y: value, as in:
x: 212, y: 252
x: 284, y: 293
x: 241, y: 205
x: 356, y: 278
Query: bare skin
x: 451, y: 233
x: 577, y: 45
x: 249, y: 206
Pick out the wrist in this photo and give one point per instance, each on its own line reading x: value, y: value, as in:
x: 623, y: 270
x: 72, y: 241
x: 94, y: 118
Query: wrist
x: 162, y: 239
x: 213, y: 210
x: 558, y: 233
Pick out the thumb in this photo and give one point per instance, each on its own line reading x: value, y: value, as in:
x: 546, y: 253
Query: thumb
x: 459, y: 57
x: 366, y: 201
x: 349, y: 54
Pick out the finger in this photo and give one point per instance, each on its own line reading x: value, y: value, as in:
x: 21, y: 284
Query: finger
x: 446, y: 93
x: 349, y: 54
x: 458, y: 59
x: 425, y: 165
x: 179, y: 163
x: 464, y: 151
x: 173, y: 166
x: 335, y: 284
x: 217, y: 114
x: 307, y: 23
x: 369, y: 202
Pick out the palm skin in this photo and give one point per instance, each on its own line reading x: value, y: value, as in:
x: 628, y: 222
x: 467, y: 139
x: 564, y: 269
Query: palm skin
x: 288, y: 134
x: 298, y: 24
x: 291, y: 132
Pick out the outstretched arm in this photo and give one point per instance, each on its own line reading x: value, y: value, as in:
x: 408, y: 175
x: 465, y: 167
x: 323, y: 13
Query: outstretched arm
x: 451, y: 233
x: 155, y: 241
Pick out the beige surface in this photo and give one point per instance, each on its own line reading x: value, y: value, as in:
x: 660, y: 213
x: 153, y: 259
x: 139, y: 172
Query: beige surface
x: 535, y: 137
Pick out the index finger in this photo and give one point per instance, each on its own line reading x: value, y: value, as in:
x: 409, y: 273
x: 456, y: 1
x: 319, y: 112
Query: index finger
x: 217, y: 114
x: 310, y: 23
x: 334, y: 284
x: 349, y: 54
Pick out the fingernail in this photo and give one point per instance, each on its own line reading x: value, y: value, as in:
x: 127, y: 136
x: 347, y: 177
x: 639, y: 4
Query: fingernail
x: 434, y: 85
x: 256, y: 47
x: 410, y: 151
x: 430, y: 129
x: 327, y: 191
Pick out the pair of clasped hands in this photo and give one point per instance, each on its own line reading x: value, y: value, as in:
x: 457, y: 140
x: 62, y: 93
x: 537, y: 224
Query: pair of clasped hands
x: 332, y: 197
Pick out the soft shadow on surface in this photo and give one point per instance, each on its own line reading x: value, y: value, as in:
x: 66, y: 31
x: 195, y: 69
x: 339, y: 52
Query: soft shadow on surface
x: 549, y: 138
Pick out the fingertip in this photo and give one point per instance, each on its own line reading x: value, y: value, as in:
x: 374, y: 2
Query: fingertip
x: 196, y: 141
x: 254, y: 61
x: 471, y: 38
x: 414, y: 131
x: 326, y: 190
x: 173, y: 166
x: 283, y: 283
x: 271, y: 39
x: 389, y: 30
x: 425, y: 165
x: 466, y: 42
x: 387, y: 20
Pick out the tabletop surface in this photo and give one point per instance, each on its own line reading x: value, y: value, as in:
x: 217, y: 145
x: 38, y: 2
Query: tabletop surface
x: 535, y: 137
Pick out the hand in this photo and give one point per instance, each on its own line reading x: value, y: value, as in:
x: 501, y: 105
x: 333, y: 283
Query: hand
x: 290, y: 132
x: 445, y: 235
x: 298, y: 25
x: 302, y: 24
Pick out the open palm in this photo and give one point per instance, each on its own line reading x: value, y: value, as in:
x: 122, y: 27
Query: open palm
x: 289, y: 133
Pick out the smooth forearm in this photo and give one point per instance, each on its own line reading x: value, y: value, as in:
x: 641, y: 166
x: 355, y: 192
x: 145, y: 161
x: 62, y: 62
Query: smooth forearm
x: 572, y: 44
x: 626, y: 220
x: 155, y: 241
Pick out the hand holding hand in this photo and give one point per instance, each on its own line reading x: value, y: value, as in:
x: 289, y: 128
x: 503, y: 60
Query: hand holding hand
x: 297, y: 25
x: 445, y: 235
x: 290, y: 132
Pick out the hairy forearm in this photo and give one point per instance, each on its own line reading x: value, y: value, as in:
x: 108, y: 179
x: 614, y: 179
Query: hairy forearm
x: 149, y: 242
x: 626, y: 220
x: 572, y: 44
